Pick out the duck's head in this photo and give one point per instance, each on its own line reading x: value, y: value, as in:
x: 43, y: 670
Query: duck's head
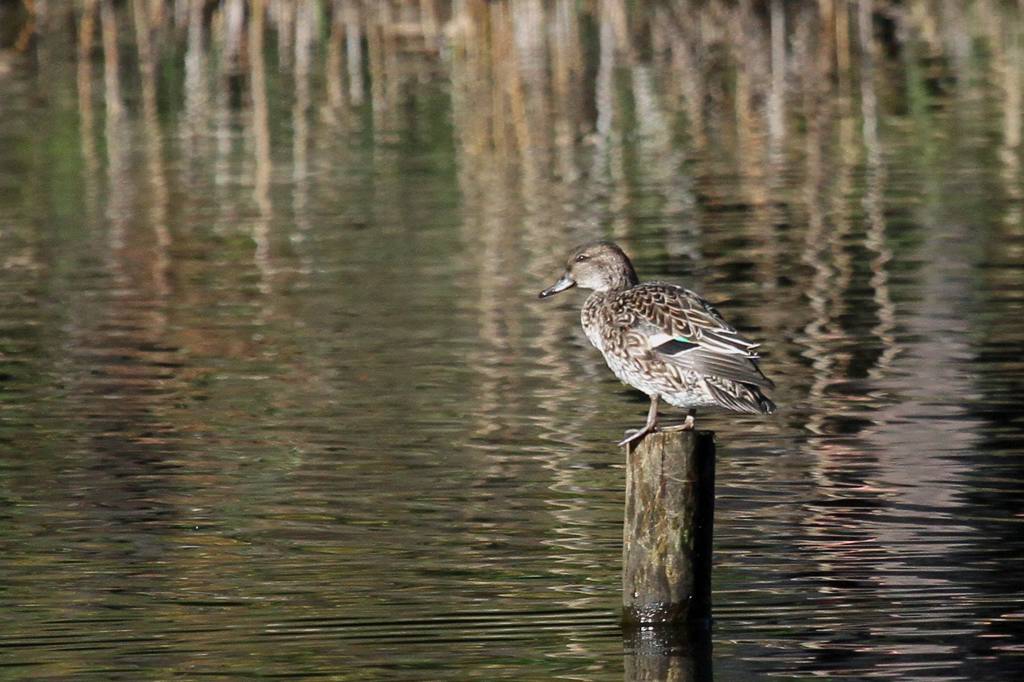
x: 601, y: 266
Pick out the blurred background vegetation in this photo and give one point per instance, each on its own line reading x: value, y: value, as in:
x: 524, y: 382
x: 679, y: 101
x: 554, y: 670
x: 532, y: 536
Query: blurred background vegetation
x: 815, y: 131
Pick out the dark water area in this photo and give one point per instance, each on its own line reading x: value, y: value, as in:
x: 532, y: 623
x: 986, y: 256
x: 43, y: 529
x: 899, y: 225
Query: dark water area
x: 277, y: 397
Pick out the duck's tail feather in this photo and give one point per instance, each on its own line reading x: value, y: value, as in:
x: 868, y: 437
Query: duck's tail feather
x: 741, y: 397
x: 764, y: 402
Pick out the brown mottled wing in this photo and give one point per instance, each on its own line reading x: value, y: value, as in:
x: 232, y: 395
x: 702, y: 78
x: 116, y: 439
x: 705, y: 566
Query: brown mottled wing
x: 690, y: 331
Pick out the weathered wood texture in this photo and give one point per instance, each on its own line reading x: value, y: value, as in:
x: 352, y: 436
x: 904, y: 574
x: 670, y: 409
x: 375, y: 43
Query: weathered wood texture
x: 666, y: 551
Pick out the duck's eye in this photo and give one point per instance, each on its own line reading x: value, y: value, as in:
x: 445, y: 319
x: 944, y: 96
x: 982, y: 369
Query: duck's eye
x: 582, y: 257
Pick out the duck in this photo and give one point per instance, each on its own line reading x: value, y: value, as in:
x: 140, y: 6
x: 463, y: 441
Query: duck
x: 662, y: 339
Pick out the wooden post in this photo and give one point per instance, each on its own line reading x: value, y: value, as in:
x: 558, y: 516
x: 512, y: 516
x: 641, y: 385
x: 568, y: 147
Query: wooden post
x: 666, y: 550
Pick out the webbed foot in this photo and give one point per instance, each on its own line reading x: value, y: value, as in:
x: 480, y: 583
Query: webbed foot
x: 687, y: 424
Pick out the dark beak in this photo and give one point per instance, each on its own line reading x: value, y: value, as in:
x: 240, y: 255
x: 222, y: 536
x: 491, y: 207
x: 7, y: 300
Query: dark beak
x: 565, y: 282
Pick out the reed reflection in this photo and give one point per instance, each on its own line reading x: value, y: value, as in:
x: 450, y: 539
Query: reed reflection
x: 263, y: 165
x: 116, y: 131
x: 86, y: 32
x: 154, y: 137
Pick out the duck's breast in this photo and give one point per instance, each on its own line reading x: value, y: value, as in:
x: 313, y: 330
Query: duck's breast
x: 595, y: 320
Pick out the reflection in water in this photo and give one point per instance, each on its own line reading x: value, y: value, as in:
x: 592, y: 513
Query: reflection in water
x: 271, y: 369
x: 154, y: 149
x: 86, y: 31
x: 261, y: 148
x: 668, y: 655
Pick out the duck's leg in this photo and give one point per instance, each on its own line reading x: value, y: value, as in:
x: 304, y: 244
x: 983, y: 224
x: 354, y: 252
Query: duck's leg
x: 652, y: 422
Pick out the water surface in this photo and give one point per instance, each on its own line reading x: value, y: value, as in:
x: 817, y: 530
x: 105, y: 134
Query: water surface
x: 277, y: 396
